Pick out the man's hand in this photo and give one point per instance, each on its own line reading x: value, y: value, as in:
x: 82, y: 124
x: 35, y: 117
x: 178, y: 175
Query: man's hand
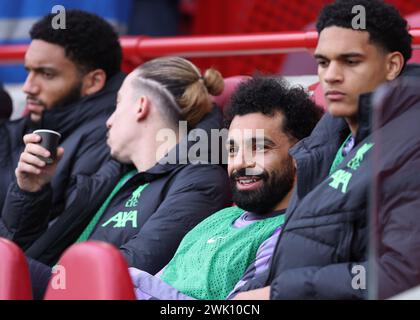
x: 257, y: 294
x: 32, y: 173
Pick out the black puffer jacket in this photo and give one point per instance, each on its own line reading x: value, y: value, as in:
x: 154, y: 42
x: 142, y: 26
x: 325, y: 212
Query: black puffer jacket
x: 396, y: 188
x: 83, y: 129
x: 322, y: 251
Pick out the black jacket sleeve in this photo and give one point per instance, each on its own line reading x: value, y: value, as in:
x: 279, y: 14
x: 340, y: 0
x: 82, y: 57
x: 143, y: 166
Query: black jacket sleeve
x: 85, y: 158
x: 26, y: 216
x: 23, y: 216
x: 199, y: 190
x: 336, y: 281
x: 398, y: 267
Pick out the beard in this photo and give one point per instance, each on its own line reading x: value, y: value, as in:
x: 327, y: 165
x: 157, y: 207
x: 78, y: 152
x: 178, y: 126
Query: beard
x: 74, y: 95
x: 276, y: 185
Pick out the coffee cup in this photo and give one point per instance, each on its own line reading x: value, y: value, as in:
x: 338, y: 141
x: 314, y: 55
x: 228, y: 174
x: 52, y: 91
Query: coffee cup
x: 49, y: 141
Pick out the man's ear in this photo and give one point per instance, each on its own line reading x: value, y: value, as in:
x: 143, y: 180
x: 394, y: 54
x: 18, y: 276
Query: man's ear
x: 395, y: 63
x: 93, y: 82
x: 142, y: 108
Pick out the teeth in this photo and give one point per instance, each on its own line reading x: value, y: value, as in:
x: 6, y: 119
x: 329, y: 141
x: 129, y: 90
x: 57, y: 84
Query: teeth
x: 247, y: 181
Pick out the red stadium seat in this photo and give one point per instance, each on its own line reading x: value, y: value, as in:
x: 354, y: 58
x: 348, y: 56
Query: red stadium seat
x: 231, y: 84
x: 91, y: 270
x: 414, y: 22
x: 15, y: 282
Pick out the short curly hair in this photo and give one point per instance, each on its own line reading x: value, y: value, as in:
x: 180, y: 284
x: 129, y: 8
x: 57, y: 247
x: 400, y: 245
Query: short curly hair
x: 88, y: 40
x: 270, y: 95
x: 386, y: 27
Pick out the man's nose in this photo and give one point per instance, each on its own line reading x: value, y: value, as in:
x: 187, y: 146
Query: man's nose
x: 244, y: 159
x: 109, y: 121
x: 333, y: 73
x: 31, y: 86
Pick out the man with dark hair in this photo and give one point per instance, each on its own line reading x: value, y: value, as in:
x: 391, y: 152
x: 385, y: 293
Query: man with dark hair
x: 234, y: 245
x: 272, y: 95
x: 384, y: 24
x: 73, y: 77
x: 322, y: 251
x: 143, y: 200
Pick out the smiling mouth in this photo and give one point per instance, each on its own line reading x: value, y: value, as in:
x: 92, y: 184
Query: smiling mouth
x: 248, y: 182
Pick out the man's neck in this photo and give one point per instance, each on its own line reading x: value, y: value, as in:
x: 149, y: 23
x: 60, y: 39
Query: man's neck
x: 353, y: 124
x: 148, y: 154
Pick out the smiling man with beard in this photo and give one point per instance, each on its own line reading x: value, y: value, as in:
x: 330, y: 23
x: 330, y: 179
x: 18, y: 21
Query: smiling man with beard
x: 258, y: 191
x: 234, y: 245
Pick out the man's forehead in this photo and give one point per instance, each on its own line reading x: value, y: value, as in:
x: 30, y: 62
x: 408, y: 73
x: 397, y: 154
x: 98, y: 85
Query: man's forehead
x: 255, y: 126
x: 336, y: 41
x: 256, y: 120
x: 47, y: 55
x: 237, y: 135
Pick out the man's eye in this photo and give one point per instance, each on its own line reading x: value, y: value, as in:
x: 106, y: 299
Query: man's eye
x: 258, y: 147
x: 48, y: 75
x: 352, y: 62
x: 233, y: 150
x: 322, y: 63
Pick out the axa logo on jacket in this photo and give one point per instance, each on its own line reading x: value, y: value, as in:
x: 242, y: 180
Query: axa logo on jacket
x: 121, y: 218
x: 341, y: 178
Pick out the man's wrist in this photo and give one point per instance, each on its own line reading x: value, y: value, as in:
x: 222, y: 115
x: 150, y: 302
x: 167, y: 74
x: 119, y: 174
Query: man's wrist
x: 28, y: 193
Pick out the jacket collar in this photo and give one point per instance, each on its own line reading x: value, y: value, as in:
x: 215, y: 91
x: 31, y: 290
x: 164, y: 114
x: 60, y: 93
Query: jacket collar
x: 315, y: 154
x: 364, y: 117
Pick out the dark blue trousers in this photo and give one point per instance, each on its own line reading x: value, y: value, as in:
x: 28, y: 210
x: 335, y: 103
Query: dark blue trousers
x: 40, y: 275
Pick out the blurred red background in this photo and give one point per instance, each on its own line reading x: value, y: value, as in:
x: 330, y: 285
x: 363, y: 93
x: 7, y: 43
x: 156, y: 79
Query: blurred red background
x: 256, y: 16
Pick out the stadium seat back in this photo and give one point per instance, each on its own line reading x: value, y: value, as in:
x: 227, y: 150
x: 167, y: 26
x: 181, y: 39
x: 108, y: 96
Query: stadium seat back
x: 414, y: 22
x: 15, y: 282
x: 91, y: 270
x: 231, y: 83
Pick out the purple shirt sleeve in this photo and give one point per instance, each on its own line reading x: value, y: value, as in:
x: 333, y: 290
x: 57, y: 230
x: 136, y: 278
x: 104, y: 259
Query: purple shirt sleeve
x: 261, y: 262
x: 149, y: 287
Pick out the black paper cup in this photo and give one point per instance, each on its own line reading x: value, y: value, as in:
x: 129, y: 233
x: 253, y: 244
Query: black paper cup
x: 49, y: 141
